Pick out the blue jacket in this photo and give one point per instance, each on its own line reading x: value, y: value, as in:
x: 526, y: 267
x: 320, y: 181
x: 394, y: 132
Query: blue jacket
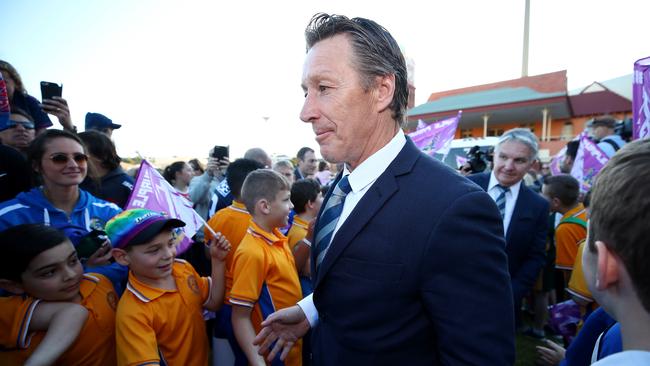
x: 32, y: 208
x: 90, y: 213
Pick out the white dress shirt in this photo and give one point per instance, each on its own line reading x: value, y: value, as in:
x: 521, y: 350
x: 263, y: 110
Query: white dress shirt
x: 511, y: 199
x: 361, y: 179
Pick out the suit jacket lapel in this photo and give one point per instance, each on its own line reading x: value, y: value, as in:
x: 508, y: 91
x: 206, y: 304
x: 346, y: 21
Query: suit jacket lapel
x: 380, y: 191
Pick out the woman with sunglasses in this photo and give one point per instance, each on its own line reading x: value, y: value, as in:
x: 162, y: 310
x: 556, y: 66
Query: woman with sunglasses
x: 60, y: 159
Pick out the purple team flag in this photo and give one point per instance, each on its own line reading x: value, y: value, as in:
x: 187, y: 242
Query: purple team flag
x: 556, y: 162
x: 436, y: 137
x: 590, y: 159
x: 153, y: 192
x: 4, y: 102
x: 641, y: 99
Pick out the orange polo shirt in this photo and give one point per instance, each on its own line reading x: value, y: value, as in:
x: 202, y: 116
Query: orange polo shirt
x: 232, y: 222
x: 96, y: 342
x: 567, y: 238
x: 265, y: 278
x: 153, y: 323
x: 297, y: 232
x: 578, y: 284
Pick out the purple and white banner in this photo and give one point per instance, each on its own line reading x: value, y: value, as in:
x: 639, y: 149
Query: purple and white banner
x: 556, y: 162
x: 4, y: 102
x: 153, y: 192
x: 436, y: 138
x: 590, y: 159
x: 641, y: 99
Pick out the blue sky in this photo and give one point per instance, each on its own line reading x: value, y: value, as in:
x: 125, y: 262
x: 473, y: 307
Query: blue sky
x: 184, y: 76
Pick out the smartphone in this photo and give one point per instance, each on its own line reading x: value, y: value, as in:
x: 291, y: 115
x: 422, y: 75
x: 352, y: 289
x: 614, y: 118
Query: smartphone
x: 49, y: 90
x: 220, y: 152
x: 90, y: 243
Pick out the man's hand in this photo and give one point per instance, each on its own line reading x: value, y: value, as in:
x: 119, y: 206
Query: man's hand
x: 551, y: 355
x: 58, y: 107
x: 284, y: 327
x: 219, y: 247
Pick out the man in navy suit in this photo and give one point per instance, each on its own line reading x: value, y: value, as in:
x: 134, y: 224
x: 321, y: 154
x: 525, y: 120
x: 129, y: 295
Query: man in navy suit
x: 525, y: 213
x: 408, y: 257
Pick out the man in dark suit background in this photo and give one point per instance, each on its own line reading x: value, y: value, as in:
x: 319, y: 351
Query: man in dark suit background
x: 524, y: 212
x: 307, y: 164
x: 408, y: 257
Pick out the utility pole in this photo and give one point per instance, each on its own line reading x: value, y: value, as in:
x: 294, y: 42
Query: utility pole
x: 524, y: 61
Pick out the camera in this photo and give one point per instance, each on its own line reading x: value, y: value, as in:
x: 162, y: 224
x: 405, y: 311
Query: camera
x: 477, y: 160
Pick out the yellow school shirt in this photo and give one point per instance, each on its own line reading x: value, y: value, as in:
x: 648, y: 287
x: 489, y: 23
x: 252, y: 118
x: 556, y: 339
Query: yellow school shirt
x: 232, y: 222
x: 154, y: 324
x: 297, y: 232
x: 567, y: 237
x: 265, y: 278
x: 96, y: 342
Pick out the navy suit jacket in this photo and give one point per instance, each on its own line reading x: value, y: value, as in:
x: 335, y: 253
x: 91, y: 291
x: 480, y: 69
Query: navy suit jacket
x: 526, y: 237
x: 416, y: 275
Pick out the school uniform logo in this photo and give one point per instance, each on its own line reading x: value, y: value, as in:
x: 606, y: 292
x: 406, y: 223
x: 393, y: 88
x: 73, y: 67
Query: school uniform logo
x: 192, y: 284
x: 111, y: 299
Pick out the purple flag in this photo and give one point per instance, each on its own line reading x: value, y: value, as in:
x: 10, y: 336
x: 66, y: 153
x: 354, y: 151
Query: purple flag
x: 153, y: 192
x: 556, y: 162
x: 590, y: 159
x: 4, y: 102
x: 436, y: 137
x: 641, y: 99
x: 421, y: 124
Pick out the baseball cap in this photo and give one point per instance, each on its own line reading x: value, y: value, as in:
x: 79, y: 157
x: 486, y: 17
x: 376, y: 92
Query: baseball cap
x: 98, y: 121
x: 138, y: 226
x: 606, y: 121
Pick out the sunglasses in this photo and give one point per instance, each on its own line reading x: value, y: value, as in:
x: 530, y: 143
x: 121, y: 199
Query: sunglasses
x: 62, y: 159
x: 26, y: 124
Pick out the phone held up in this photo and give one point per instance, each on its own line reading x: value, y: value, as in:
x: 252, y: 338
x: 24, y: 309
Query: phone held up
x: 50, y: 90
x: 220, y: 152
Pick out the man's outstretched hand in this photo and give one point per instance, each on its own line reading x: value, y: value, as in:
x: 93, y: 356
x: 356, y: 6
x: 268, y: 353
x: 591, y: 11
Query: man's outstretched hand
x: 284, y: 327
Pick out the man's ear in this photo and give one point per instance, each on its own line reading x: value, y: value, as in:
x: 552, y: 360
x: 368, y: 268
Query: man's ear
x: 14, y: 287
x: 385, y: 90
x: 608, y: 270
x: 121, y: 256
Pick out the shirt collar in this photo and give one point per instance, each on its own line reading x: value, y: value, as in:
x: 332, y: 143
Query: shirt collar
x: 272, y: 238
x: 514, y: 189
x: 576, y: 211
x: 300, y: 222
x: 88, y: 284
x: 239, y: 206
x: 146, y: 293
x: 371, y: 168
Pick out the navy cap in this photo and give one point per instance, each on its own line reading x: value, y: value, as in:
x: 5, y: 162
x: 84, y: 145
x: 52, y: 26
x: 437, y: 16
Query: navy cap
x: 97, y: 121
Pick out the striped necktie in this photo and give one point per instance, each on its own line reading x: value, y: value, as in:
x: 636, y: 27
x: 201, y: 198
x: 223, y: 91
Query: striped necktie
x: 329, y: 218
x: 501, y: 200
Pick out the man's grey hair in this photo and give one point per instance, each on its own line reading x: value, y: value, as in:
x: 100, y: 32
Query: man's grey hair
x: 282, y: 164
x: 523, y: 136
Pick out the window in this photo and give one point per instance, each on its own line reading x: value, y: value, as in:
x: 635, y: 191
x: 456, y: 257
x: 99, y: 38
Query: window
x: 465, y: 133
x: 495, y: 132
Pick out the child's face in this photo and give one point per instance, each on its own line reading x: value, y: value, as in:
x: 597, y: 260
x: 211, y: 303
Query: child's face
x: 280, y: 208
x: 153, y: 261
x: 54, y: 275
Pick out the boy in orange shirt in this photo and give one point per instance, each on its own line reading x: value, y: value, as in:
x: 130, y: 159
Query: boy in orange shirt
x: 40, y: 265
x: 307, y: 199
x: 159, y: 317
x: 562, y: 192
x: 265, y: 276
